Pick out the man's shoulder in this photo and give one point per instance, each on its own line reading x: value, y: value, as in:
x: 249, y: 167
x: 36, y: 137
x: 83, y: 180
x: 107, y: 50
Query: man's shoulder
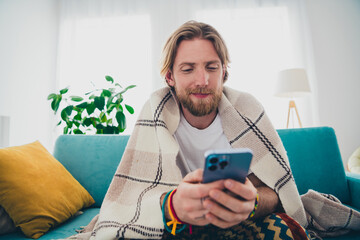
x: 240, y: 98
x: 160, y: 93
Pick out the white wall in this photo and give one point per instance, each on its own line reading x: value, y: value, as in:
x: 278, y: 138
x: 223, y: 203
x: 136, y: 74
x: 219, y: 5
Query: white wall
x: 28, y: 41
x: 335, y: 35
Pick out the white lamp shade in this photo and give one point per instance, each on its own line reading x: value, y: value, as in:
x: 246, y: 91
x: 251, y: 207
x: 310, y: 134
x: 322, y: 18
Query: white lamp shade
x: 292, y: 83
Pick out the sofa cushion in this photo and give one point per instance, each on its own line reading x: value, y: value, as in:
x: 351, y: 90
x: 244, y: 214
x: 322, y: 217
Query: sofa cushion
x: 64, y: 230
x: 80, y: 153
x: 316, y: 161
x: 36, y: 190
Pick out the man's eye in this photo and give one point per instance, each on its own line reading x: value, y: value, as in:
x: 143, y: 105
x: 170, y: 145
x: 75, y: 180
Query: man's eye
x: 212, y: 68
x: 187, y: 70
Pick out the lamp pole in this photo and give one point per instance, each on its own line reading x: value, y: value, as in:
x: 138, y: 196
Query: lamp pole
x: 292, y: 105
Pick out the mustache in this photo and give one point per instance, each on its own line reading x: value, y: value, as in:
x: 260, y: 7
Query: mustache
x: 199, y: 91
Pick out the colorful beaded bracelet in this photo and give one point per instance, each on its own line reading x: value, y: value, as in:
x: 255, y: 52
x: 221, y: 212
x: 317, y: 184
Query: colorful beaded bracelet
x: 255, y: 207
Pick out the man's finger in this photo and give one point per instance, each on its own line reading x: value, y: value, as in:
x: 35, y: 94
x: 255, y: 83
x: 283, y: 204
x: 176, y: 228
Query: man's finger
x: 236, y: 205
x: 194, y: 177
x: 246, y: 190
x: 198, y: 191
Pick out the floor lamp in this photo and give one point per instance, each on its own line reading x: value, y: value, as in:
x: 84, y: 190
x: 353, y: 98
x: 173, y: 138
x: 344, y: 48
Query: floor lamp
x: 292, y: 83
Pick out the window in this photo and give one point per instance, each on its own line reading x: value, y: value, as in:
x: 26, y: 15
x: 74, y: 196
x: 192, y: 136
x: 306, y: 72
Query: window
x: 260, y: 45
x: 91, y: 48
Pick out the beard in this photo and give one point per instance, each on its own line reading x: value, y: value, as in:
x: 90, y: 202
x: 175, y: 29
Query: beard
x: 199, y: 107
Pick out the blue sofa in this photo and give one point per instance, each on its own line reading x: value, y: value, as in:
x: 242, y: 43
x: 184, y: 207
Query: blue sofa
x: 313, y: 152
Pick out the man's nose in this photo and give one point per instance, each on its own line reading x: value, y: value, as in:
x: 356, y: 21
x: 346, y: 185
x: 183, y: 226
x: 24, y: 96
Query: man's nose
x: 202, y: 78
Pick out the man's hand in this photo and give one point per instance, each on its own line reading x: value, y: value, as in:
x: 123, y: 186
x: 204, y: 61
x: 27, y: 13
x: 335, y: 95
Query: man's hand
x: 229, y: 208
x: 187, y: 200
x: 223, y: 203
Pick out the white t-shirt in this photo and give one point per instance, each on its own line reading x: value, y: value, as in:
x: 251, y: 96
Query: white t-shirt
x: 194, y: 142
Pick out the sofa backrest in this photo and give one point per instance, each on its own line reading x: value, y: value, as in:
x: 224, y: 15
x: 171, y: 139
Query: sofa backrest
x: 313, y: 154
x: 315, y: 161
x: 91, y: 159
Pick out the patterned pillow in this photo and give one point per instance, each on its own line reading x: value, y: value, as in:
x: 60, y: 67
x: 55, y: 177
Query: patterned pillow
x: 274, y: 226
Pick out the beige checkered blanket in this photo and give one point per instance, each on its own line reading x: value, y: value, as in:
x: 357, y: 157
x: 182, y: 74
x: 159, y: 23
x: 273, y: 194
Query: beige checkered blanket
x: 149, y: 166
x: 327, y: 216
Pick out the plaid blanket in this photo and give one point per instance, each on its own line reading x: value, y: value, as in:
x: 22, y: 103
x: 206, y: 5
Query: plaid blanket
x: 149, y: 167
x: 327, y: 216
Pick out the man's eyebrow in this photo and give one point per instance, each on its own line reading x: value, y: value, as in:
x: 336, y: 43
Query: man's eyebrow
x: 192, y: 64
x: 214, y: 61
x: 186, y: 63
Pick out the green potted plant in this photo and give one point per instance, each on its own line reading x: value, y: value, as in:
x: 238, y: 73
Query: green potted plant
x: 100, y: 111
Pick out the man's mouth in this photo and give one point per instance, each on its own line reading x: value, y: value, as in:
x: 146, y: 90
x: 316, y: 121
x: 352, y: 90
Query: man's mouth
x: 200, y: 95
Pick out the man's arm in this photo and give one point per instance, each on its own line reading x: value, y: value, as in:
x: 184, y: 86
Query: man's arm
x: 268, y: 200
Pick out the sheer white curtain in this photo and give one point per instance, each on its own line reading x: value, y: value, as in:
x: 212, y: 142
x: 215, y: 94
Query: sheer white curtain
x: 124, y: 39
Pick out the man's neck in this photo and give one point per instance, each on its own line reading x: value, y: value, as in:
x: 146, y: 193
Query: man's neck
x: 199, y: 122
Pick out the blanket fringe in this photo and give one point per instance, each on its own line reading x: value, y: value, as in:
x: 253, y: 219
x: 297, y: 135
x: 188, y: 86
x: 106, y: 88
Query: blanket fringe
x: 313, y: 235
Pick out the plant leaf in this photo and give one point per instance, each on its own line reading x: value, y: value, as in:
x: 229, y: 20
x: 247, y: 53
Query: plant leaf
x: 51, y: 96
x: 78, y: 117
x: 65, y: 90
x: 82, y: 105
x: 99, y: 102
x: 129, y: 108
x: 57, y: 103
x: 90, y: 108
x: 109, y: 79
x: 77, y: 131
x: 111, y: 108
x: 109, y: 130
x: 102, y: 117
x: 69, y: 109
x: 87, y: 122
x: 66, y: 128
x: 127, y: 88
x: 76, y: 98
x: 109, y: 101
x: 53, y: 104
x: 69, y: 124
x: 64, y: 115
x: 120, y: 118
x: 106, y: 93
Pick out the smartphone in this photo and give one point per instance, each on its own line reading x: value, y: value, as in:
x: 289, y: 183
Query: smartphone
x: 231, y: 163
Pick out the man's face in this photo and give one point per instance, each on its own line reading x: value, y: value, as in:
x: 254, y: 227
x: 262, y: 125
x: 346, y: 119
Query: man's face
x: 197, y: 76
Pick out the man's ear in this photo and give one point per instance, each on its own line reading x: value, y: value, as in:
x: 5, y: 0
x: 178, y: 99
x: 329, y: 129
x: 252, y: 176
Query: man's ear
x: 224, y: 73
x: 170, y: 79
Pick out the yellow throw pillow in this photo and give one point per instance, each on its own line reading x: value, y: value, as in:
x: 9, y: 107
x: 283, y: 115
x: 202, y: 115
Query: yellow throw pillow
x: 37, y: 191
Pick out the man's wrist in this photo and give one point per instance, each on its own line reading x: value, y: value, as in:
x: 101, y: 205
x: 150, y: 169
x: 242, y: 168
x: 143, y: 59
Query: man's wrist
x: 165, y: 209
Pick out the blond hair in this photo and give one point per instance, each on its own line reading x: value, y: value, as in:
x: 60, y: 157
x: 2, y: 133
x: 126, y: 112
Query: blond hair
x: 189, y: 31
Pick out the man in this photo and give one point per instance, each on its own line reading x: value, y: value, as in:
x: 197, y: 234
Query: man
x: 165, y: 151
x: 197, y: 75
